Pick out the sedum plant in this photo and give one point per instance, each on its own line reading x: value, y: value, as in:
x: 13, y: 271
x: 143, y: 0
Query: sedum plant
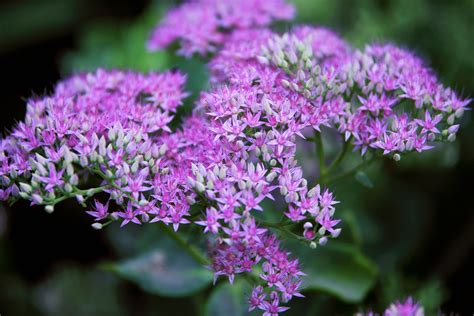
x: 112, y: 140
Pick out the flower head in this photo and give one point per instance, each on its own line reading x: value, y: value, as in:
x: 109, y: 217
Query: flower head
x: 201, y: 25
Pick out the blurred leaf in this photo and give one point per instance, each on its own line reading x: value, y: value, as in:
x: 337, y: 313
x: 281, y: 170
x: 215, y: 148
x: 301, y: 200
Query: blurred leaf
x: 338, y: 269
x: 166, y: 270
x: 230, y: 300
x: 363, y: 179
x: 130, y: 240
x: 431, y: 296
x: 73, y: 291
x: 116, y: 44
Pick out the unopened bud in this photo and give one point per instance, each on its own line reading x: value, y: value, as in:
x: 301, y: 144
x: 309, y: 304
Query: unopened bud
x: 323, y: 241
x: 190, y: 200
x: 459, y: 112
x: 25, y: 187
x: 97, y: 226
x: 37, y: 198
x: 200, y: 187
x: 49, y: 209
x: 271, y: 176
x: 80, y: 198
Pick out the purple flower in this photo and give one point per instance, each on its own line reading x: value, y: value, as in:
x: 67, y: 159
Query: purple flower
x: 257, y: 298
x: 212, y: 221
x: 272, y: 308
x: 101, y: 211
x: 129, y: 215
x: 429, y: 124
x: 408, y: 308
x: 53, y: 180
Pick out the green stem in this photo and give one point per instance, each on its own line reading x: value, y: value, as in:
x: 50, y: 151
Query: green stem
x: 281, y: 227
x: 114, y: 185
x: 87, y: 192
x: 192, y: 250
x: 349, y: 172
x: 319, y: 151
x: 340, y: 157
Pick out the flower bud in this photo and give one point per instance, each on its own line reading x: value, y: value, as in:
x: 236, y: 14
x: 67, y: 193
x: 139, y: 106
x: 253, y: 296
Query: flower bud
x: 200, y: 187
x: 49, y: 209
x: 323, y: 241
x: 97, y: 226
x: 37, y: 198
x: 80, y: 198
x: 25, y: 187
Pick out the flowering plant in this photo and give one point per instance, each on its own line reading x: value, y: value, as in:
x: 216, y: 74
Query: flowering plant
x: 112, y: 139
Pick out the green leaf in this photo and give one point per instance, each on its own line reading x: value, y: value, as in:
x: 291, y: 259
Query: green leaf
x: 167, y: 270
x: 230, y: 300
x: 338, y: 269
x: 363, y: 179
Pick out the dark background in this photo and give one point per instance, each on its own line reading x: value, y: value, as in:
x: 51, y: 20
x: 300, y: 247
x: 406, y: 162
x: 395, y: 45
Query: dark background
x: 427, y: 199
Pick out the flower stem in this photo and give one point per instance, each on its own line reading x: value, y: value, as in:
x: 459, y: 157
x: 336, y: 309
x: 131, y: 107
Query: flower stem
x: 349, y: 172
x: 319, y: 151
x: 192, y: 250
x: 281, y: 227
x: 340, y: 157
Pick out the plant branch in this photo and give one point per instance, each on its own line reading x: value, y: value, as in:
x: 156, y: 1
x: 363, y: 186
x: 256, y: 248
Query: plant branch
x: 340, y: 157
x: 281, y: 227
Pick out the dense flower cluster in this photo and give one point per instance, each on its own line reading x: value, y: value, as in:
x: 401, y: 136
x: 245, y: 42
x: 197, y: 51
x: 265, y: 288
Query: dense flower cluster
x: 107, y: 136
x: 202, y: 26
x: 383, y: 97
x: 106, y: 124
x: 106, y: 133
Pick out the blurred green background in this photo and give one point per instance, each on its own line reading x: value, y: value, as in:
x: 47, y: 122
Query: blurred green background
x: 408, y: 226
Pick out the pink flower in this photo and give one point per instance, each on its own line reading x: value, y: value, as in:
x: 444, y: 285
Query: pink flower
x: 408, y: 308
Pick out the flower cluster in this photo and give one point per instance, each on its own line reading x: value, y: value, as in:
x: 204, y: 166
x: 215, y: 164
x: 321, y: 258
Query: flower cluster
x: 257, y: 122
x: 279, y: 274
x: 106, y: 135
x: 383, y: 97
x: 202, y: 26
x: 107, y: 125
x: 408, y: 308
